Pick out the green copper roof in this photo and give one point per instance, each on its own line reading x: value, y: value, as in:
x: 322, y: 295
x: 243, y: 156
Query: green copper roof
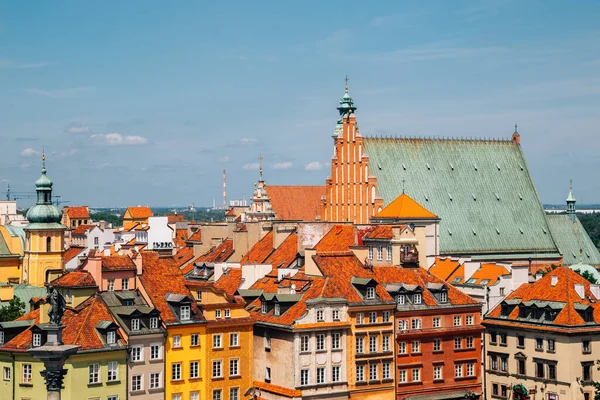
x: 481, y: 190
x: 572, y: 240
x: 44, y: 212
x: 4, y: 251
x: 581, y: 268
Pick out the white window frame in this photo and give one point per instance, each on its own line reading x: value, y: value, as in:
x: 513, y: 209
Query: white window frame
x: 386, y: 316
x: 457, y: 320
x: 37, y: 340
x: 385, y: 343
x: 135, y: 324
x: 373, y: 345
x: 176, y: 371
x: 304, y: 377
x: 125, y: 284
x: 113, y: 371
x: 155, y: 381
x: 417, y: 298
x: 185, y: 312
x: 388, y: 255
x: 110, y: 285
x: 437, y: 344
x: 336, y: 340
x: 386, y: 369
x: 227, y: 313
x: 360, y: 373
x: 234, y: 393
x: 320, y: 315
x: 336, y: 315
x: 415, y: 346
x: 26, y: 373
x: 469, y: 320
x: 416, y: 374
x: 335, y: 373
x: 320, y: 375
x: 217, y: 341
x: 437, y: 372
x: 360, y: 345
x: 194, y: 369
x: 373, y: 317
x: 153, y: 323
x: 155, y: 351
x: 194, y: 340
x: 217, y: 369
x: 111, y: 337
x: 373, y: 372
x: 304, y: 343
x: 379, y: 253
x: 458, y: 370
x: 320, y: 342
x: 234, y: 367
x: 437, y: 322
x: 277, y: 309
x: 234, y: 339
x: 140, y: 383
x: 402, y: 376
x: 94, y: 373
x: 218, y: 314
x: 6, y: 373
x: 402, y: 348
x: 457, y: 343
x: 443, y: 297
x: 370, y: 252
x: 137, y: 353
x: 370, y: 293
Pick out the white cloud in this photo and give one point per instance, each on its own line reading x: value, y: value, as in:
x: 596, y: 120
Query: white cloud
x: 282, y: 165
x: 116, y: 139
x: 315, y: 166
x: 77, y: 127
x: 248, y: 141
x: 65, y: 153
x: 224, y: 159
x: 16, y: 65
x: 67, y: 93
x: 251, y: 166
x: 29, y: 152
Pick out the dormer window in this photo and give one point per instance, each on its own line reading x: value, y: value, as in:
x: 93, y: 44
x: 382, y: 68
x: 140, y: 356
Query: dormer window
x: 388, y: 253
x: 336, y: 315
x: 37, y: 340
x: 128, y: 302
x: 135, y: 324
x: 263, y: 307
x: 379, y: 253
x: 456, y: 280
x: 184, y: 312
x: 417, y: 298
x: 277, y: 309
x: 400, y: 299
x: 111, y: 337
x: 370, y: 293
x: 370, y: 252
x: 443, y: 297
x: 154, y: 323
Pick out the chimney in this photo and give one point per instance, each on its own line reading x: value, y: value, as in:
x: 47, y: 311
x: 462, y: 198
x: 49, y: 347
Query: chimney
x: 102, y: 225
x: 580, y: 290
x: 554, y: 280
x: 136, y: 257
x: 595, y: 289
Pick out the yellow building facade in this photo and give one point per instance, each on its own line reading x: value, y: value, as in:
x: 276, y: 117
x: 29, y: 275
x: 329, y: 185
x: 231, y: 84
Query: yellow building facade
x: 12, y: 240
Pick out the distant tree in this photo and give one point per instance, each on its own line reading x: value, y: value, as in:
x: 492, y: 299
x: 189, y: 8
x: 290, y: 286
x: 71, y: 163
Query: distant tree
x: 13, y: 310
x: 549, y: 269
x: 116, y: 219
x: 587, y: 275
x: 591, y: 224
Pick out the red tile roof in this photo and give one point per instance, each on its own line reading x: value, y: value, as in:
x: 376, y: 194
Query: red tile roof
x: 285, y: 254
x: 73, y: 252
x: 82, y: 229
x: 180, y: 237
x: 219, y: 254
x: 302, y: 203
x: 379, y: 232
x: 339, y: 238
x: 77, y: 212
x: 275, y: 389
x: 80, y: 326
x: 172, y: 218
x: 117, y: 263
x: 183, y: 255
x: 139, y: 212
x: 444, y: 268
x: 260, y: 251
x: 161, y: 277
x: 490, y: 272
x: 404, y: 207
x: 230, y: 281
x: 196, y: 236
x: 75, y: 279
x: 563, y: 291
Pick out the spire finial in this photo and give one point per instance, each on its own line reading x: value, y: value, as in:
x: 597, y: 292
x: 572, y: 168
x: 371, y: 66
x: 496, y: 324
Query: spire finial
x: 43, y: 160
x: 403, y: 186
x: 570, y: 184
x: 516, y: 126
x: 260, y: 167
x: 347, y: 79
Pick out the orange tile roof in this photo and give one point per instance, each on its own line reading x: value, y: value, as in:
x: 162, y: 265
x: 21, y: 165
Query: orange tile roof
x: 117, y: 263
x: 80, y: 326
x: 563, y: 291
x: 491, y: 272
x: 302, y: 203
x: 196, y: 236
x: 230, y: 281
x: 139, y: 212
x: 285, y: 254
x: 161, y: 277
x: 82, y: 229
x: 73, y: 252
x: 275, y: 389
x: 183, y: 255
x: 260, y: 251
x: 172, y: 218
x: 339, y: 238
x: 180, y: 237
x: 76, y: 279
x: 404, y: 207
x: 219, y: 254
x: 379, y: 232
x: 444, y: 268
x: 77, y: 212
x: 420, y: 277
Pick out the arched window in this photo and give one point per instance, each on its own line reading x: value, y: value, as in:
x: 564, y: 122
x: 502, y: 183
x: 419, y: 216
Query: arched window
x: 48, y: 244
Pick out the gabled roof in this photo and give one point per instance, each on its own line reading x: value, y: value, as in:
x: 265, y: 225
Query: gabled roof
x: 572, y: 240
x: 172, y: 218
x: 162, y: 277
x: 183, y: 255
x: 219, y: 254
x: 75, y: 279
x: 543, y: 291
x: 139, y: 212
x: 230, y: 281
x: 180, y: 237
x: 297, y: 203
x: 77, y: 212
x: 80, y: 327
x: 73, y: 252
x: 379, y: 232
x: 285, y: 254
x: 486, y: 275
x: 260, y: 251
x: 480, y: 189
x: 196, y: 236
x: 405, y: 207
x: 82, y: 229
x: 339, y: 238
x: 444, y: 268
x: 117, y: 263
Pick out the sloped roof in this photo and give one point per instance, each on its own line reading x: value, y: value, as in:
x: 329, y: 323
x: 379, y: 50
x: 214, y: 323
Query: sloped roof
x: 77, y: 212
x: 444, y: 268
x: 379, y: 232
x: 73, y: 252
x: 339, y: 238
x: 285, y: 254
x: 75, y: 279
x: 230, y: 281
x: 172, y: 218
x: 162, y: 277
x: 562, y: 292
x: 489, y: 272
x: 139, y: 212
x: 80, y: 327
x: 570, y: 237
x: 82, y: 229
x: 481, y: 190
x: 297, y: 203
x: 405, y: 207
x: 117, y: 263
x: 196, y: 236
x: 260, y: 251
x: 183, y: 255
x: 4, y: 250
x: 219, y: 254
x: 180, y: 237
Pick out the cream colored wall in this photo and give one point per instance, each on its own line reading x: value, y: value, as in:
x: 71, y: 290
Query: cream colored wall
x: 568, y: 355
x: 37, y: 260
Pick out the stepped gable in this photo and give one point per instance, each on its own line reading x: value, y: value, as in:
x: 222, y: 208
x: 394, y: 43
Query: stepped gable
x: 557, y: 291
x: 260, y: 251
x: 572, y: 240
x: 285, y: 254
x: 162, y: 277
x: 480, y: 189
x: 297, y: 203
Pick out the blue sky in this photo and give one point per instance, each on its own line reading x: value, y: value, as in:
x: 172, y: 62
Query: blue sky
x: 145, y: 102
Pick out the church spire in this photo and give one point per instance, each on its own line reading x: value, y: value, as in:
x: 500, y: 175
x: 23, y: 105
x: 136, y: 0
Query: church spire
x: 346, y: 107
x: 571, y: 202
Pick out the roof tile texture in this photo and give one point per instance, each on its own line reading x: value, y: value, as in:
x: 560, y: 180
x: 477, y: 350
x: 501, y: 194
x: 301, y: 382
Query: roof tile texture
x: 301, y: 203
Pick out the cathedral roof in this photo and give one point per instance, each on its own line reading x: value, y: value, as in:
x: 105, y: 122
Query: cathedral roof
x: 572, y: 240
x: 481, y: 190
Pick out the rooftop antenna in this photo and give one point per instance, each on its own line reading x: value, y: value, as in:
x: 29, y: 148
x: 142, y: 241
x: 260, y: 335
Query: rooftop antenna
x: 260, y: 166
x: 224, y: 189
x: 8, y: 191
x: 346, y: 79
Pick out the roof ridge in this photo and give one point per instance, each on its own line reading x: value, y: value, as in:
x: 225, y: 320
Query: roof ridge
x: 440, y: 138
x: 87, y: 317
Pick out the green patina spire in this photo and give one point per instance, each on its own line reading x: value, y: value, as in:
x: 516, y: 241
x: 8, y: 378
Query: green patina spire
x: 571, y: 202
x: 346, y: 107
x: 44, y: 212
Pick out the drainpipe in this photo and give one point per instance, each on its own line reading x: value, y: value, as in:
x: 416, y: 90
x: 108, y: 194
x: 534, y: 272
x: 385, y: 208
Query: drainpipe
x: 483, y: 362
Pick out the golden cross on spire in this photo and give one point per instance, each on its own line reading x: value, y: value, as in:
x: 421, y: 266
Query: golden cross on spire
x: 516, y: 128
x: 347, y: 79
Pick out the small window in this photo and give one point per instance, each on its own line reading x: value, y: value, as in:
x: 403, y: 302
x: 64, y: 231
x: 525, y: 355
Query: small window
x: 456, y: 280
x: 386, y: 316
x: 155, y: 352
x: 48, y: 244
x: 503, y: 339
x: 304, y: 377
x: 520, y: 341
x: 539, y: 344
x: 227, y: 313
x: 137, y: 354
x: 336, y: 315
x: 37, y: 340
x: 110, y: 285
x: 217, y: 314
x: 400, y: 299
x: 135, y: 324
x: 184, y: 312
x: 217, y: 343
x: 388, y: 252
x: 586, y: 346
x: 417, y: 298
x: 199, y: 295
x: 113, y: 371
x: 457, y: 320
x: 304, y: 343
x: 370, y: 292
x: 443, y: 297
x: 6, y: 373
x: 176, y: 341
x: 436, y: 322
x: 263, y: 307
x: 437, y: 345
x: 457, y: 343
x: 194, y: 369
x: 234, y: 339
x: 379, y: 253
x: 154, y: 323
x: 471, y: 281
x: 125, y: 284
x: 176, y: 372
x: 267, y: 340
x: 217, y: 369
x: 469, y: 320
x: 234, y: 367
x: 111, y: 337
x: 320, y: 342
x: 93, y: 373
x: 195, y: 340
x: 268, y: 374
x: 320, y: 315
x: 335, y: 340
x: 277, y: 309
x: 373, y: 317
x: 370, y: 252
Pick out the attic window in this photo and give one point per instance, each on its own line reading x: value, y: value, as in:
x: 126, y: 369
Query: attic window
x: 497, y: 231
x: 449, y: 195
x: 263, y: 307
x: 443, y: 297
x: 135, y: 324
x: 521, y: 230
x: 475, y: 166
x: 370, y: 292
x: 277, y: 309
x: 111, y: 337
x: 184, y: 313
x: 456, y: 280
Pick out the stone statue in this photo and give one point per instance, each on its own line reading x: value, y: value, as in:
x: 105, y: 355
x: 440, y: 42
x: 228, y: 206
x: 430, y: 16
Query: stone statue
x: 54, y: 379
x: 57, y: 305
